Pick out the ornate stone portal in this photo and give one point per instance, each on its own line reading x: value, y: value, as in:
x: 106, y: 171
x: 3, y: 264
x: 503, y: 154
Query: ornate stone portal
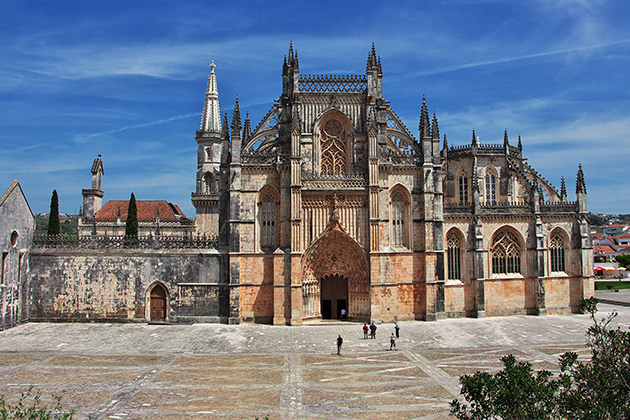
x: 336, y: 258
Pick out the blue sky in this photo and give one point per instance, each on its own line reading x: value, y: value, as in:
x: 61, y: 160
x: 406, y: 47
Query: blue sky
x: 126, y: 79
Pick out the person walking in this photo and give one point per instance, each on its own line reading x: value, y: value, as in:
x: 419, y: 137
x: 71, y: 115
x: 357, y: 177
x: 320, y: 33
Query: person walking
x: 397, y: 328
x: 365, y: 331
x: 339, y: 343
x: 392, y: 342
x: 372, y: 331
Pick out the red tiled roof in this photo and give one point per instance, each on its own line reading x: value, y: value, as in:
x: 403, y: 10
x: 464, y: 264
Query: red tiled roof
x: 147, y: 210
x: 614, y: 226
x: 624, y: 236
x: 603, y: 249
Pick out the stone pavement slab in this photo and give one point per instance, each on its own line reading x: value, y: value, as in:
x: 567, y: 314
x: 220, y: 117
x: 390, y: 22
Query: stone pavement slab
x: 210, y: 371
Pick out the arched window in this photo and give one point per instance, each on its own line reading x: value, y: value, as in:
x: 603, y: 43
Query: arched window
x: 491, y: 186
x: 333, y: 145
x: 453, y: 255
x: 268, y: 220
x: 463, y: 188
x: 506, y: 253
x: 556, y: 248
x: 208, y: 184
x: 398, y: 219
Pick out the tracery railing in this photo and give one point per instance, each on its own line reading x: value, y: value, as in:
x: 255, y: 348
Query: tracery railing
x: 332, y: 83
x: 124, y: 242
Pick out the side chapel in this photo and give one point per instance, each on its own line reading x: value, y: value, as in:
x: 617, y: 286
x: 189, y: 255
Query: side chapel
x: 332, y: 203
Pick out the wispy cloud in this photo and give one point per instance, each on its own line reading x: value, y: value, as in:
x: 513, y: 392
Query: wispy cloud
x: 81, y: 138
x: 508, y: 59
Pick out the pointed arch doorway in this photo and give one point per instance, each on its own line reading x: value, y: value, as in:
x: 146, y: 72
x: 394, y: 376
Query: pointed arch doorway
x: 335, y: 276
x: 157, y: 303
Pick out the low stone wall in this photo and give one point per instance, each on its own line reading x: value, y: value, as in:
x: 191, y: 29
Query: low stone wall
x: 114, y: 284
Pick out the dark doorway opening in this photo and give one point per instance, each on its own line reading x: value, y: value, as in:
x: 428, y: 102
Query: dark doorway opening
x: 158, y: 303
x: 334, y: 296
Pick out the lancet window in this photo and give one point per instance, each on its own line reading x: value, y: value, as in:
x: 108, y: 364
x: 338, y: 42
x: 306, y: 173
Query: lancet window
x: 208, y: 184
x: 556, y: 247
x: 506, y: 253
x: 398, y: 218
x: 463, y: 188
x: 491, y: 186
x: 268, y: 221
x: 453, y: 255
x: 334, y: 157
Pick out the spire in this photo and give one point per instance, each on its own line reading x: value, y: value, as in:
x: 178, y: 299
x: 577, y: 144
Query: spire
x: 247, y: 127
x: 424, y: 120
x: 372, y: 62
x: 236, y: 119
x: 474, y: 138
x: 563, y: 190
x: 435, y: 131
x: 225, y: 133
x: 211, y: 118
x: 285, y: 68
x: 292, y: 60
x: 580, y: 185
x: 445, y: 143
x: 520, y: 145
x: 506, y: 142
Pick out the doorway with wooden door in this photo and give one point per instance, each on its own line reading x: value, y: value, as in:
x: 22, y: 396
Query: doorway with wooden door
x: 157, y: 303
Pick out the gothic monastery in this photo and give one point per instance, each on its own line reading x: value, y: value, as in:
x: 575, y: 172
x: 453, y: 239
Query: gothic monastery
x: 329, y: 206
x: 331, y: 203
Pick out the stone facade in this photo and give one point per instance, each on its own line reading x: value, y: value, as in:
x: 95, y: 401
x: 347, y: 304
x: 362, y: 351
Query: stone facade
x: 98, y: 284
x: 17, y: 225
x: 331, y: 203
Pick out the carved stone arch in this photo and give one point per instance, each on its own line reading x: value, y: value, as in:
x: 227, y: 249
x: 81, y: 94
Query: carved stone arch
x: 558, y: 245
x: 268, y: 218
x: 400, y: 215
x: 491, y: 182
x: 342, y: 134
x: 507, y: 248
x: 454, y: 246
x: 209, y: 183
x: 157, y: 305
x: 336, y: 254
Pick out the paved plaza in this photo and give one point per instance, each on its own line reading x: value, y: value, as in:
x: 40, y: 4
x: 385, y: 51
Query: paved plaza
x: 210, y: 371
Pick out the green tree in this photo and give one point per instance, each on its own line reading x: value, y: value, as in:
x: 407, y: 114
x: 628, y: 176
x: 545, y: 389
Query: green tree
x: 131, y: 226
x: 53, y: 217
x: 599, y: 389
x: 623, y: 260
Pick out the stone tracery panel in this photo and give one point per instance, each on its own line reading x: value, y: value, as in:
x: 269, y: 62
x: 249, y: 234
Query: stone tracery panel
x: 334, y: 157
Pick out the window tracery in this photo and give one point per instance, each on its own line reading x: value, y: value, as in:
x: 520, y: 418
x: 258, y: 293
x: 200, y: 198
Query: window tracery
x: 453, y: 255
x: 398, y: 219
x: 556, y: 247
x: 463, y: 188
x: 333, y: 145
x: 491, y: 186
x: 268, y: 221
x: 506, y: 253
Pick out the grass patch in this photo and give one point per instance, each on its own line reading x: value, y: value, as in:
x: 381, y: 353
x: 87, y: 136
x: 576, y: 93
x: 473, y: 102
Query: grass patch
x: 611, y: 285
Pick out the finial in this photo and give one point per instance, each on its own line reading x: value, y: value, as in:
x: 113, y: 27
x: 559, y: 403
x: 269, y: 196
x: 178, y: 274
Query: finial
x: 445, y: 143
x: 474, y: 138
x: 212, y: 66
x: 520, y: 145
x: 563, y: 190
x: 505, y: 138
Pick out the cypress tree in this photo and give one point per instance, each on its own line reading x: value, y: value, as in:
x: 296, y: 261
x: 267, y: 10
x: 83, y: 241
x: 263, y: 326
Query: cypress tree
x: 53, y: 218
x: 131, y: 226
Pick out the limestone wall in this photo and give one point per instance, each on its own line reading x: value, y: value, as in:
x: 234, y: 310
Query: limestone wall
x: 87, y: 285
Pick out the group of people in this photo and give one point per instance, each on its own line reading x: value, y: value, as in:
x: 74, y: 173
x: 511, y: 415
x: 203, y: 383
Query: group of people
x: 372, y: 330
